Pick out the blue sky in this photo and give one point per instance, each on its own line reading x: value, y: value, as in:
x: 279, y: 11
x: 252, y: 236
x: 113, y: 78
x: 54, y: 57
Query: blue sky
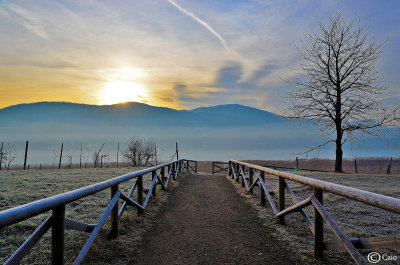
x: 174, y: 53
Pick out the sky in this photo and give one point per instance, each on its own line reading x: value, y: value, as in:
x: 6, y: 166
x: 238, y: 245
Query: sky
x: 180, y: 54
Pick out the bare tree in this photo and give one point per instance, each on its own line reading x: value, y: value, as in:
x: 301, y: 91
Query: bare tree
x: 96, y: 156
x: 8, y: 155
x: 339, y: 88
x: 140, y: 151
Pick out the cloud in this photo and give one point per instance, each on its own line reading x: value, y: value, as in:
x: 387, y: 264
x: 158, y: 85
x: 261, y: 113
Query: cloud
x: 229, y: 76
x: 201, y: 22
x: 28, y: 20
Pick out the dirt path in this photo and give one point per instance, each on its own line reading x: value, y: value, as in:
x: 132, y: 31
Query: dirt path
x: 206, y: 222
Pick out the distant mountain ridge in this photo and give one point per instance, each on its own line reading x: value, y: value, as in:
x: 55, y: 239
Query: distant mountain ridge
x: 221, y: 115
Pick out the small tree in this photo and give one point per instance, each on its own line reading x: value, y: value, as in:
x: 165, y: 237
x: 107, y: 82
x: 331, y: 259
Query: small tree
x: 340, y: 85
x: 96, y: 156
x: 140, y: 152
x: 8, y: 155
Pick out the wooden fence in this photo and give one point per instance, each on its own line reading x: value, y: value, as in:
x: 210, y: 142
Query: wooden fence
x: 253, y: 175
x: 161, y: 175
x: 218, y: 167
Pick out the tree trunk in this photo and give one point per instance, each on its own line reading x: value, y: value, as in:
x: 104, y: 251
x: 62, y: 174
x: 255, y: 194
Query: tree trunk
x: 339, y: 152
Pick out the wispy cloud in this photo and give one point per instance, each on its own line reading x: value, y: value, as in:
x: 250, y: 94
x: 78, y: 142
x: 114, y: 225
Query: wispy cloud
x: 28, y: 20
x: 201, y: 22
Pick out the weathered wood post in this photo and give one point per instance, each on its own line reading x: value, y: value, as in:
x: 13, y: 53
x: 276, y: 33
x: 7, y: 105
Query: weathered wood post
x: 182, y: 166
x: 177, y: 153
x: 59, y: 163
x: 229, y: 169
x: 154, y: 191
x: 162, y: 176
x: 155, y: 154
x: 114, y: 214
x: 319, y: 227
x: 281, y: 199
x: 237, y: 172
x: 80, y: 158
x: 262, y: 191
x: 212, y: 170
x: 57, y: 235
x: 389, y: 167
x: 139, y: 184
x: 243, y: 175
x: 297, y: 164
x: 26, y: 153
x: 1, y: 154
x: 117, y: 153
x: 251, y: 179
x: 195, y: 166
x: 174, y: 170
x: 355, y: 165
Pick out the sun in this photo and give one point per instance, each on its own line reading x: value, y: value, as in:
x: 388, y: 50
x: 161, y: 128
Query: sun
x: 119, y: 91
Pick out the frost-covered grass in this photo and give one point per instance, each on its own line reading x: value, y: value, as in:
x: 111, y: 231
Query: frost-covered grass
x: 18, y: 187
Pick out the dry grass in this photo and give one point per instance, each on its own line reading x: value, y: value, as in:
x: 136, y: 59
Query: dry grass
x: 19, y: 187
x: 356, y: 219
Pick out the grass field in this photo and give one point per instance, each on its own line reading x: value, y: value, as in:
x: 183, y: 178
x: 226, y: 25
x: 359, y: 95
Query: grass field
x: 356, y: 219
x: 19, y: 187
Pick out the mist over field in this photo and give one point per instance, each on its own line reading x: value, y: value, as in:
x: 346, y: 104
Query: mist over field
x: 209, y: 133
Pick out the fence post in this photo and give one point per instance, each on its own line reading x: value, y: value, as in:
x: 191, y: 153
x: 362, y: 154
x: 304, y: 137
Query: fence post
x: 212, y: 170
x: 355, y: 165
x: 319, y: 227
x: 281, y: 199
x: 1, y: 154
x: 229, y: 168
x: 262, y: 191
x: 57, y: 235
x: 173, y: 170
x: 243, y: 175
x: 169, y: 170
x: 114, y: 215
x: 59, y: 163
x: 251, y: 179
x: 389, y: 167
x: 117, y: 153
x: 162, y: 176
x: 26, y: 153
x: 80, y: 158
x: 297, y: 164
x: 195, y: 167
x: 237, y: 172
x: 139, y: 184
x: 154, y: 191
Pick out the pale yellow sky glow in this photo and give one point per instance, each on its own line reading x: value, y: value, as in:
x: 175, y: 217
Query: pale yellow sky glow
x: 171, y: 53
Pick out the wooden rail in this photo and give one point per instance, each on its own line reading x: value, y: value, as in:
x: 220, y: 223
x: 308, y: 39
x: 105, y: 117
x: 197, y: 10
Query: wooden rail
x: 254, y: 176
x: 59, y: 223
x: 218, y: 167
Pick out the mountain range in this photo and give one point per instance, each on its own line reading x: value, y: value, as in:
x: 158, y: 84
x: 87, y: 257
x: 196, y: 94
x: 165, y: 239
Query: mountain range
x: 207, y: 133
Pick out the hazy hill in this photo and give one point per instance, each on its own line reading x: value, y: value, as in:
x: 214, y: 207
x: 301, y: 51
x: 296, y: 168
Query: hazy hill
x: 218, y: 132
x: 136, y: 113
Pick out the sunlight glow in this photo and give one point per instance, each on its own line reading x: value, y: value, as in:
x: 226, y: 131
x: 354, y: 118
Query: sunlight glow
x: 118, y: 91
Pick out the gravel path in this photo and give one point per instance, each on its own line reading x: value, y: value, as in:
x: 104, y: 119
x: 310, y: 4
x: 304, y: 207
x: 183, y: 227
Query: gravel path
x: 205, y: 221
